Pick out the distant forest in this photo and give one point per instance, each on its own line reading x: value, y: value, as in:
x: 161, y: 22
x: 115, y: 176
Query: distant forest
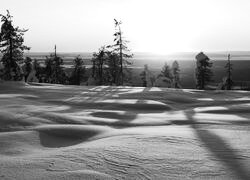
x: 110, y: 65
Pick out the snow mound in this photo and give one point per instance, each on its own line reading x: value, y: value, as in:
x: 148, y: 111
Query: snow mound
x: 80, y: 132
x: 16, y: 121
x: 55, y: 136
x: 78, y: 174
x: 19, y: 143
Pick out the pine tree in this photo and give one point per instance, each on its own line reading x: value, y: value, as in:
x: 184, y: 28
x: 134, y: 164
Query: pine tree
x: 78, y: 73
x: 176, y: 74
x: 12, y: 48
x: 120, y: 47
x: 229, y: 81
x: 203, y: 70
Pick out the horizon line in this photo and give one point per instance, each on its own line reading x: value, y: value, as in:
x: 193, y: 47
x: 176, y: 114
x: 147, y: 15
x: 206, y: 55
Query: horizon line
x: 146, y: 52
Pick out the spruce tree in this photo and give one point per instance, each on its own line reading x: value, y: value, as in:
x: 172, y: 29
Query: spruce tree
x: 12, y: 48
x: 120, y: 47
x: 203, y: 70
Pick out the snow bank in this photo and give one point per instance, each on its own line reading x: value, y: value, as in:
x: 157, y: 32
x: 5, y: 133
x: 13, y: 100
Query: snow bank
x: 72, y: 132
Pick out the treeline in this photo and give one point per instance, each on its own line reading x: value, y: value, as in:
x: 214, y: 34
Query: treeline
x: 109, y: 64
x: 168, y: 77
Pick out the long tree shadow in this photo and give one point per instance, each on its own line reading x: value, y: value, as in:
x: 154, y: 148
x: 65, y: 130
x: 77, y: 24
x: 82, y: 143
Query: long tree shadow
x: 124, y: 120
x: 130, y: 113
x: 219, y: 148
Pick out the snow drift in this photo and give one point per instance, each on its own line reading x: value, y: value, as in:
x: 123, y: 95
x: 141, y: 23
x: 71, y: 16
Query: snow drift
x: 71, y: 132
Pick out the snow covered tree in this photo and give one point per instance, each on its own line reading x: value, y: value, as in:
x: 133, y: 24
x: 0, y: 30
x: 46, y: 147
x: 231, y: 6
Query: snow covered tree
x: 176, y: 74
x: 12, y: 48
x: 203, y: 70
x: 229, y: 68
x: 78, y: 73
x: 120, y: 47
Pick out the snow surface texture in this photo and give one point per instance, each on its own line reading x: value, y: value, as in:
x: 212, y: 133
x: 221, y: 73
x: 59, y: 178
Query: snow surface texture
x: 71, y: 132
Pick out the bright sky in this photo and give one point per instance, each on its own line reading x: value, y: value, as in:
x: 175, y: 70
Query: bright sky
x: 158, y: 26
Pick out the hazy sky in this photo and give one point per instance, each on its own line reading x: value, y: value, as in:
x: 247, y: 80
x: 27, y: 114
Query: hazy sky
x: 150, y: 25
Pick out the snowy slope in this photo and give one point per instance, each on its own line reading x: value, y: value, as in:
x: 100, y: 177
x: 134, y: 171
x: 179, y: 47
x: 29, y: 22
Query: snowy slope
x: 70, y: 132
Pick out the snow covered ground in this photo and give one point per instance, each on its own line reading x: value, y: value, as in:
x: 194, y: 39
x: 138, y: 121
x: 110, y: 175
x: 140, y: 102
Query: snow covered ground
x: 71, y: 132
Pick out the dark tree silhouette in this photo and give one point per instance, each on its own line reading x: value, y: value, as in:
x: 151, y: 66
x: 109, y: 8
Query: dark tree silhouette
x: 143, y: 77
x: 40, y: 71
x: 176, y: 74
x: 78, y: 74
x: 93, y: 67
x: 112, y: 69
x: 203, y: 70
x: 167, y: 74
x: 54, y: 71
x: 48, y: 68
x: 12, y: 48
x: 28, y: 67
x: 229, y: 68
x: 98, y: 60
x: 120, y: 47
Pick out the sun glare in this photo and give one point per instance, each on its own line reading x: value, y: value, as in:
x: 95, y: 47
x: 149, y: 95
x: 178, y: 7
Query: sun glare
x: 159, y: 26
